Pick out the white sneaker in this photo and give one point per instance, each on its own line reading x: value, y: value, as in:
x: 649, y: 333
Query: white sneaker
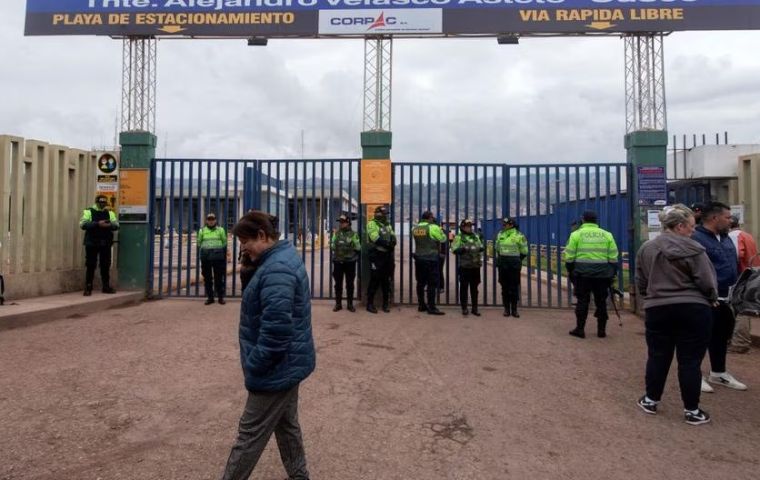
x: 706, y: 388
x: 727, y: 380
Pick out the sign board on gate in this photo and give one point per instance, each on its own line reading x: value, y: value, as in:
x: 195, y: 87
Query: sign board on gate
x: 653, y: 186
x: 315, y: 18
x: 133, y: 195
x: 107, y: 177
x: 376, y: 185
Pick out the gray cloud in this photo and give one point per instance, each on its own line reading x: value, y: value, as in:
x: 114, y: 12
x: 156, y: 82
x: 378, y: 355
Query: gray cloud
x: 553, y: 100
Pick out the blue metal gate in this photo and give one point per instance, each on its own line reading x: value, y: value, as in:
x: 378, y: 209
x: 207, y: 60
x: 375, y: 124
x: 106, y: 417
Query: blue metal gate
x: 307, y: 196
x: 545, y: 199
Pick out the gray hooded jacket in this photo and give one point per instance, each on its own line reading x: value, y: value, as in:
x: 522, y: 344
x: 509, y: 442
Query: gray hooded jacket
x: 674, y: 269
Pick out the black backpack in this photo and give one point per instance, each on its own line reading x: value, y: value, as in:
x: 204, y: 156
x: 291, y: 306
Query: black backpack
x: 744, y: 296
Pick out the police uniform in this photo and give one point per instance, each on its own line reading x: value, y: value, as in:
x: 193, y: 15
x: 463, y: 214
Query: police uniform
x: 212, y: 242
x: 97, y: 244
x: 511, y: 248
x: 591, y: 257
x: 381, y: 242
x: 345, y: 248
x: 468, y: 248
x: 428, y: 238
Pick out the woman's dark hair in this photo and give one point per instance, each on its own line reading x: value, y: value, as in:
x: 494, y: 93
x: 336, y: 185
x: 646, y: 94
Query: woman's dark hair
x: 256, y: 221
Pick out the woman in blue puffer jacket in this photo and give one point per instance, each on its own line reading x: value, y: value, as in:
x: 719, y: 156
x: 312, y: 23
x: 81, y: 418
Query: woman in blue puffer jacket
x: 276, y: 348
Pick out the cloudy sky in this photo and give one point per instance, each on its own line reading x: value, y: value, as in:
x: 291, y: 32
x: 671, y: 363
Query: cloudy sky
x: 545, y: 100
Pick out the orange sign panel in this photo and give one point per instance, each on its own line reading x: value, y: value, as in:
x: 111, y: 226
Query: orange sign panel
x: 376, y: 181
x: 133, y: 190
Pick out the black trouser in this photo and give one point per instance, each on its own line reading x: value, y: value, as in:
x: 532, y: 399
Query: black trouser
x: 266, y: 413
x: 684, y: 328
x: 722, y: 330
x: 509, y: 279
x: 214, y: 276
x: 469, y: 279
x: 381, y: 266
x: 91, y: 261
x: 427, y: 274
x: 584, y: 288
x: 343, y: 270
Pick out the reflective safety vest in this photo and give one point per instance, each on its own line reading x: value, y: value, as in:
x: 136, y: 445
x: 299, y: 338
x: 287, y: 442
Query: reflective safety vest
x: 95, y: 236
x: 469, y: 248
x: 211, y: 238
x: 510, y: 246
x: 345, y: 246
x: 427, y: 239
x: 380, y: 231
x: 593, y: 251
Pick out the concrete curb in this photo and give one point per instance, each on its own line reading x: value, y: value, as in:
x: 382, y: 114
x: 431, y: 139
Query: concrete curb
x: 34, y: 311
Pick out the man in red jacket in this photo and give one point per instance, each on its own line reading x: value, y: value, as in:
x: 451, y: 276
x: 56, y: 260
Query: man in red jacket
x: 746, y: 250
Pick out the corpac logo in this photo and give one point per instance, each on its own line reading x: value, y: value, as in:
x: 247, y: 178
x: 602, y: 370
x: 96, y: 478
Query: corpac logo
x: 373, y: 22
x: 342, y: 22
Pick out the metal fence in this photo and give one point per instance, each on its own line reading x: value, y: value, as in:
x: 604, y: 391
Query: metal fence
x: 546, y: 200
x: 308, y: 195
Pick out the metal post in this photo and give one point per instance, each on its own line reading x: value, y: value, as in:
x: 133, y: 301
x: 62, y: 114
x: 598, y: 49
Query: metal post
x: 138, y: 85
x: 378, y: 56
x: 645, y: 107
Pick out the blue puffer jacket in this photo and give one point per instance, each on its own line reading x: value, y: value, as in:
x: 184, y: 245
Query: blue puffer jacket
x: 276, y: 343
x: 722, y: 255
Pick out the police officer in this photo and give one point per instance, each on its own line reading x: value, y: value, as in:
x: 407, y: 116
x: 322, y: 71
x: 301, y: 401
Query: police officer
x: 469, y: 248
x: 212, y: 242
x: 428, y: 240
x: 511, y: 248
x: 591, y: 256
x: 381, y: 244
x: 345, y: 248
x: 99, y: 223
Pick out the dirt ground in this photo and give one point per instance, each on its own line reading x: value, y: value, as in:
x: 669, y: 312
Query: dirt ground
x: 155, y: 392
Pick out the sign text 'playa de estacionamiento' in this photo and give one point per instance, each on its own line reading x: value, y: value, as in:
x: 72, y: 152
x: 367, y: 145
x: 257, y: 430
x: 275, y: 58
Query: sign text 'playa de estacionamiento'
x: 314, y: 18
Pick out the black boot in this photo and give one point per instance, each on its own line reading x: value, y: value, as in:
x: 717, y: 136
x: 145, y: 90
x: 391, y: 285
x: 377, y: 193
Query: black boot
x: 338, y: 302
x: 87, y: 290
x: 107, y: 289
x: 601, y: 328
x: 578, y: 331
x: 475, y: 308
x: 465, y: 312
x: 513, y: 309
x: 371, y: 308
x: 505, y: 302
x: 222, y: 301
x: 422, y: 307
x: 209, y: 301
x: 350, y: 303
x: 386, y: 303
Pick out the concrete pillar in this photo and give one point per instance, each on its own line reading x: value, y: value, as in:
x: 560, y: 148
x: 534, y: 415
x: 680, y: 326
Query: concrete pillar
x: 376, y: 145
x: 647, y: 188
x: 137, y: 151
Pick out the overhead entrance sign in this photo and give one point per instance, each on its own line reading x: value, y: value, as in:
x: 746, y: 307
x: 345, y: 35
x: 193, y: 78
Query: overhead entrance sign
x: 352, y: 18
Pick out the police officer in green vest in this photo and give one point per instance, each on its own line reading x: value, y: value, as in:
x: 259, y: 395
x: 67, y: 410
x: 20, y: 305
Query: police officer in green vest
x: 99, y: 223
x: 345, y: 248
x: 468, y: 248
x: 212, y: 243
x: 510, y: 248
x: 591, y: 257
x: 428, y: 240
x: 381, y: 246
